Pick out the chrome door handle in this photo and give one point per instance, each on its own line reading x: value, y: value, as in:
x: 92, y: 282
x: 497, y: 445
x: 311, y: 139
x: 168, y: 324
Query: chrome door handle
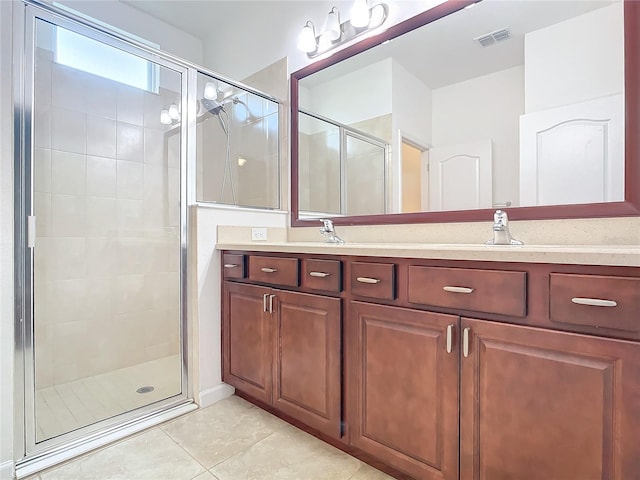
x: 264, y: 302
x: 230, y: 265
x: 268, y: 270
x: 271, y: 297
x: 465, y: 342
x: 449, y: 338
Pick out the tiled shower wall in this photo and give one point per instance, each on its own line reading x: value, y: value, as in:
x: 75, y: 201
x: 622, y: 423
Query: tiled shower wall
x: 107, y: 189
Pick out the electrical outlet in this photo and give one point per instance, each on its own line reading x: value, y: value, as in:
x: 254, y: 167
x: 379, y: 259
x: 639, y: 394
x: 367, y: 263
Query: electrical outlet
x: 258, y: 234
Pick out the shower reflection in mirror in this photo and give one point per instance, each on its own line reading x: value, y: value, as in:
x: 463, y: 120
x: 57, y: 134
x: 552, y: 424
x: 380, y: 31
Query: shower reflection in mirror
x: 342, y: 169
x: 237, y: 148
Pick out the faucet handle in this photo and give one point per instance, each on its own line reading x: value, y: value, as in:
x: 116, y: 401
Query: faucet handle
x: 327, y: 225
x: 500, y: 219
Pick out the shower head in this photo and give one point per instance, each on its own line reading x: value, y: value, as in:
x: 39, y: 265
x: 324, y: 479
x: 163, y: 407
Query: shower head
x: 211, y: 106
x: 250, y: 116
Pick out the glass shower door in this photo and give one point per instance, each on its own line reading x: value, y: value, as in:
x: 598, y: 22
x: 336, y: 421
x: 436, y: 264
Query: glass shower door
x: 106, y: 196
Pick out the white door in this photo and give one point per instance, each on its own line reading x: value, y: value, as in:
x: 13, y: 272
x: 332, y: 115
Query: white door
x: 573, y: 154
x: 460, y: 176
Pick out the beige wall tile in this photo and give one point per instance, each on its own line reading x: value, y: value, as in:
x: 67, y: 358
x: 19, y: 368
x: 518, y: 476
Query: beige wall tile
x: 68, y: 216
x: 101, y: 136
x: 68, y: 173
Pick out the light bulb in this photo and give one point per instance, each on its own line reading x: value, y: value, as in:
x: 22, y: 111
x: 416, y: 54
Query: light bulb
x: 210, y: 91
x: 378, y: 16
x: 307, y: 38
x: 174, y: 113
x: 332, y: 25
x: 165, y: 118
x: 242, y: 161
x: 359, y: 14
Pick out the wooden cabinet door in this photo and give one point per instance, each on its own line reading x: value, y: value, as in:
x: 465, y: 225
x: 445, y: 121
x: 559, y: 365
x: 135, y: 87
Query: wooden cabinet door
x: 247, y: 340
x: 403, y: 388
x: 308, y: 359
x: 544, y: 405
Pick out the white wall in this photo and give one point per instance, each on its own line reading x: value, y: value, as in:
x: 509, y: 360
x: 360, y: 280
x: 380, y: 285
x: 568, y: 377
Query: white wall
x: 209, y: 378
x: 412, y: 115
x: 134, y: 21
x: 556, y: 75
x: 487, y: 107
x: 360, y: 95
x: 277, y: 39
x: 6, y: 246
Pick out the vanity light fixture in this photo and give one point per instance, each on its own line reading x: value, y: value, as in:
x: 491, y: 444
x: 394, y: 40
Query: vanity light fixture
x: 332, y: 25
x: 307, y: 38
x: 174, y: 112
x: 360, y: 14
x: 165, y: 119
x: 363, y: 20
x: 210, y: 91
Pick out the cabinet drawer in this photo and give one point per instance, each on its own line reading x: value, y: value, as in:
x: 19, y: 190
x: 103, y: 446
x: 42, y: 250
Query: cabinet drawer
x: 374, y: 280
x: 234, y: 265
x: 595, y: 301
x: 275, y: 270
x: 322, y: 275
x: 490, y: 291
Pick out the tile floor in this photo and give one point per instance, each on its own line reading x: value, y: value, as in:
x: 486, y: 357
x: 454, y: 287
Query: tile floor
x: 230, y: 440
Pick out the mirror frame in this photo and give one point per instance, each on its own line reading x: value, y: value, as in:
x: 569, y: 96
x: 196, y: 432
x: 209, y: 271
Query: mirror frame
x: 629, y: 207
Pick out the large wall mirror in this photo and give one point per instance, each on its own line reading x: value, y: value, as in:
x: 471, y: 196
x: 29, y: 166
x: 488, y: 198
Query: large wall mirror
x: 531, y: 106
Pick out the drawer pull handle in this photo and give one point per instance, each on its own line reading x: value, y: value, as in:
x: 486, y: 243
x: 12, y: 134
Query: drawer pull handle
x: 458, y: 289
x: 465, y: 342
x: 594, y: 302
x: 368, y: 280
x: 268, y: 270
x: 449, y: 338
x: 230, y: 265
x: 319, y: 274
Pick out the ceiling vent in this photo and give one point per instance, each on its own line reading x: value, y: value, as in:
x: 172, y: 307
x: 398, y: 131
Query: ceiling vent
x: 493, y: 37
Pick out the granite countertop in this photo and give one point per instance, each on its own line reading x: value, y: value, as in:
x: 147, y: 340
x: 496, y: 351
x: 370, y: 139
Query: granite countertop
x: 617, y: 255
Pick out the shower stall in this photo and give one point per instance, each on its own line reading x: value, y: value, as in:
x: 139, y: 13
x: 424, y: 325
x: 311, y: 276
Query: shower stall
x: 107, y: 131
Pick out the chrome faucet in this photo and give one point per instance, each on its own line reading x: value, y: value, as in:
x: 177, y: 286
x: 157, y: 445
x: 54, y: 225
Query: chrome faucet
x: 501, y: 235
x: 329, y: 232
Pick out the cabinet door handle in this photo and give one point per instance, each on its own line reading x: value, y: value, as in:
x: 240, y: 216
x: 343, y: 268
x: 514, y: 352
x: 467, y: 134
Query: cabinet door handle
x: 457, y: 289
x: 465, y: 342
x: 319, y: 274
x: 264, y: 302
x: 368, y: 280
x: 271, y: 297
x: 268, y: 270
x: 594, y: 302
x: 449, y: 338
x: 230, y: 265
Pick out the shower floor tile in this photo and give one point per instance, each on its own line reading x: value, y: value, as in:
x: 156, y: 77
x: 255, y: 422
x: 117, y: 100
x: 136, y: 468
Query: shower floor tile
x: 68, y: 406
x: 245, y: 443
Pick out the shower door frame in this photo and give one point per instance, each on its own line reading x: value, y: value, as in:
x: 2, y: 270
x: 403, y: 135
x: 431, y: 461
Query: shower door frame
x: 29, y: 455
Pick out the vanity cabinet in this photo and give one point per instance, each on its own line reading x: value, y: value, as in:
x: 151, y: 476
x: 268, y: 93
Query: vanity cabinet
x: 403, y: 388
x: 283, y: 348
x: 451, y: 370
x: 543, y: 405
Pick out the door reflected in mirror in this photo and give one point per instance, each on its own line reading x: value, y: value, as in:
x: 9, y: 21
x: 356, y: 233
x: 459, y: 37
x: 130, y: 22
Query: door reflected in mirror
x: 504, y: 104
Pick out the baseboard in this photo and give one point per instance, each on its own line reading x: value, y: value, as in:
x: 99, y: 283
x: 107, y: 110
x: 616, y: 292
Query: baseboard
x: 6, y: 470
x: 215, y: 394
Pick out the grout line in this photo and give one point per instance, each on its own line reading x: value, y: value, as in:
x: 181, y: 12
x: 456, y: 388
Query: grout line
x: 184, y: 449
